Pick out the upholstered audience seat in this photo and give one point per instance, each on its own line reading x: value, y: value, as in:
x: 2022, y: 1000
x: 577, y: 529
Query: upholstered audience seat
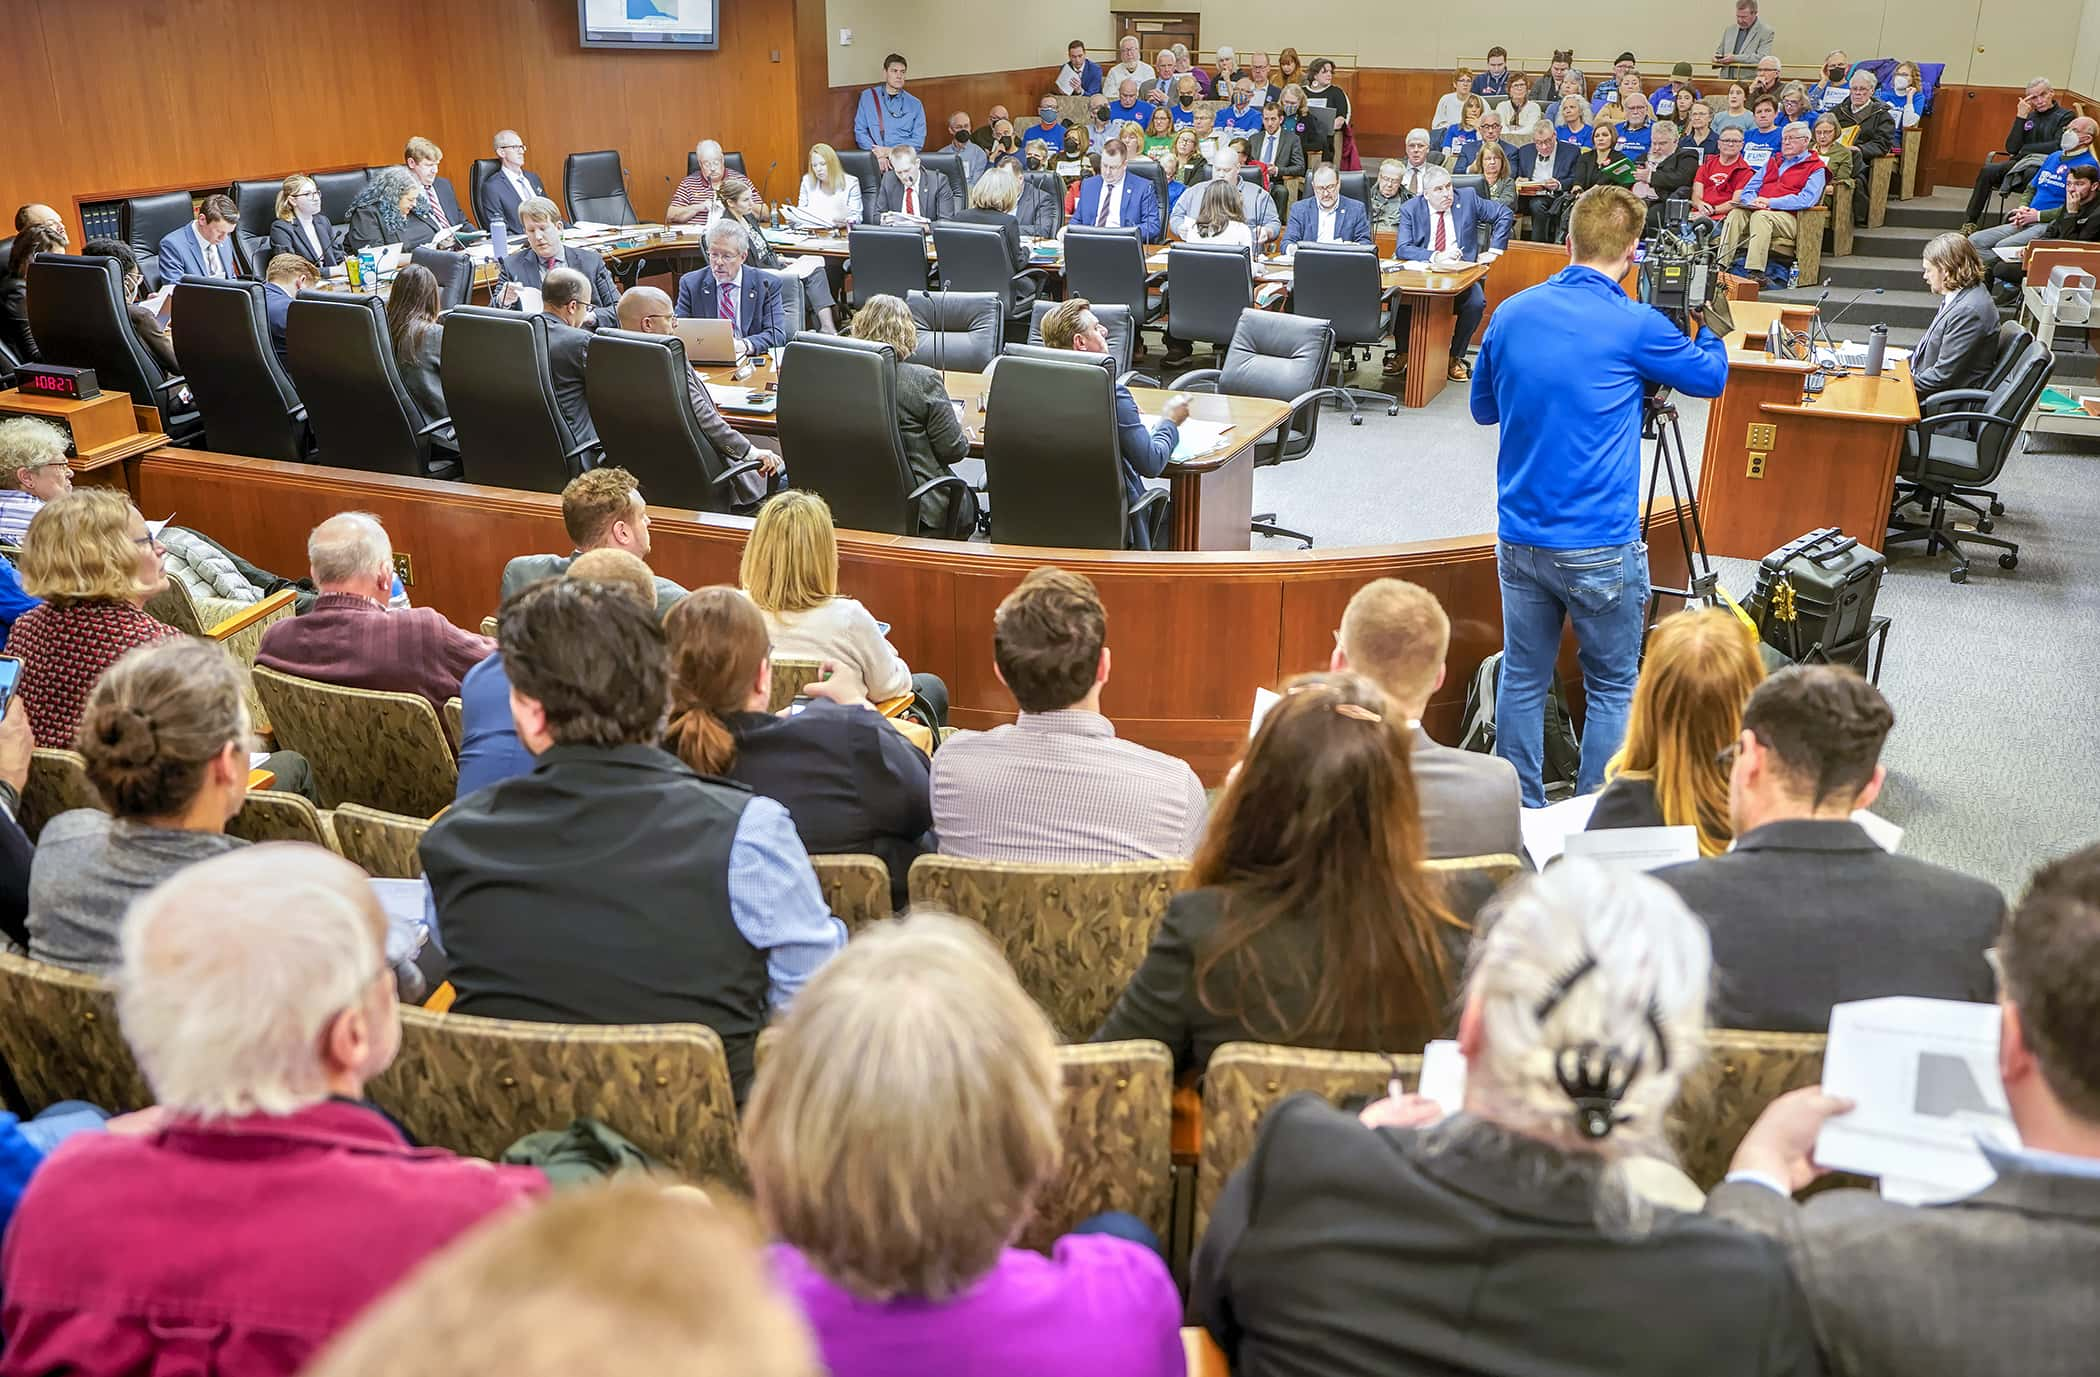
x: 273, y: 815
x: 385, y: 844
x: 385, y: 750
x: 57, y: 783
x: 856, y: 888
x: 1114, y: 1120
x: 59, y: 1038
x: 1744, y: 1072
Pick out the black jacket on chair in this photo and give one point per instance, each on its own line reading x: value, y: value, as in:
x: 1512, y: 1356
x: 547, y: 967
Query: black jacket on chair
x: 1805, y: 914
x: 14, y: 317
x: 1005, y: 222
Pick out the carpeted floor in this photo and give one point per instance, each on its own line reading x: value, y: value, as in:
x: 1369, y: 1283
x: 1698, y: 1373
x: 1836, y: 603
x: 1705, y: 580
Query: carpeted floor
x: 1994, y: 765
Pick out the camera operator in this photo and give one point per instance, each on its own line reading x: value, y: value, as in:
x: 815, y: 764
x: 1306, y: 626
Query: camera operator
x: 1565, y: 370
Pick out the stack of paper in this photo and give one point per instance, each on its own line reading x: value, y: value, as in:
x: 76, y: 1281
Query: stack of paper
x: 1197, y: 438
x: 739, y: 399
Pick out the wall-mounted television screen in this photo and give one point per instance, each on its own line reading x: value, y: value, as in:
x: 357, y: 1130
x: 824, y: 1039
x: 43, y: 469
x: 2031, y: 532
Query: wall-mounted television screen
x: 660, y: 24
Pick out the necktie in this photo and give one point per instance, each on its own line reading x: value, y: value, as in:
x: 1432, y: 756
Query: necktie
x: 1101, y: 215
x: 725, y: 303
x: 550, y: 264
x: 437, y: 212
x: 1268, y: 151
x: 211, y: 260
x: 911, y: 198
x: 1441, y: 241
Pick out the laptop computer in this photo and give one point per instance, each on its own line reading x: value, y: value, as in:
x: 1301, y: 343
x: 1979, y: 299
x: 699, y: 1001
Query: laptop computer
x: 706, y: 341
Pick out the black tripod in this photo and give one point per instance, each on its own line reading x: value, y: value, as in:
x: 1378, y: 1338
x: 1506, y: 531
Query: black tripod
x: 1659, y: 423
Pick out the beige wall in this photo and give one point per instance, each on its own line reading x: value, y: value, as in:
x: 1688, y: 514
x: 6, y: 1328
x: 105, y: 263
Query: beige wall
x: 2056, y: 38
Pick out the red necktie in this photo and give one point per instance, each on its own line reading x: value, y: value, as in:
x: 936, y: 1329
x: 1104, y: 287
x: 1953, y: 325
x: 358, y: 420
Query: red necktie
x: 1440, y: 245
x: 725, y: 303
x: 911, y: 198
x: 552, y: 264
x: 437, y: 212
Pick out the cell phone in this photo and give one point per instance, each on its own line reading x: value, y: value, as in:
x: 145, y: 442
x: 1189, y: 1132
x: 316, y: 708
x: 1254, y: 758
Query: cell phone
x: 10, y: 679
x: 796, y: 705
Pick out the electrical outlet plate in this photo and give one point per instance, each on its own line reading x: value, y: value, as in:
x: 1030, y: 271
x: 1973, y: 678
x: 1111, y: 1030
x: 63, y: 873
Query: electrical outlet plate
x: 404, y: 568
x: 1762, y: 436
x: 1757, y: 464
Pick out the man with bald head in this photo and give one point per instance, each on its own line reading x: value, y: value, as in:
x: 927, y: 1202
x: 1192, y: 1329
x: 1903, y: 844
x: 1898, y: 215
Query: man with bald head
x: 647, y: 311
x: 350, y: 638
x: 37, y: 213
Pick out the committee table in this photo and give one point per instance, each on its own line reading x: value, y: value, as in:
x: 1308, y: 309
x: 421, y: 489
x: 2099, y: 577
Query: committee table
x: 1213, y: 492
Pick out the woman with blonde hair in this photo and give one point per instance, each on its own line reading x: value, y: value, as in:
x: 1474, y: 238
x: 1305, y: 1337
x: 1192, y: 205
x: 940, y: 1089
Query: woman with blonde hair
x: 1466, y: 131
x: 790, y: 570
x: 897, y: 1139
x: 827, y: 193
x: 992, y: 202
x: 851, y: 781
x: 89, y: 556
x: 1194, y: 167
x: 1700, y: 668
x: 300, y: 227
x: 935, y: 439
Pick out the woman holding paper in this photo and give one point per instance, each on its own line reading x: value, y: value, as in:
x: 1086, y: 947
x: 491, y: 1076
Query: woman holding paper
x: 740, y: 202
x: 1359, y: 951
x: 828, y: 195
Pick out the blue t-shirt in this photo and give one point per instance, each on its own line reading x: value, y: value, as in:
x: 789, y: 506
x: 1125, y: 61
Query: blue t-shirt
x: 2055, y: 171
x: 14, y: 600
x: 1035, y: 133
x: 489, y: 749
x: 1247, y: 121
x: 1760, y: 146
x: 1141, y: 111
x: 1180, y: 116
x: 1633, y: 143
x: 1566, y: 362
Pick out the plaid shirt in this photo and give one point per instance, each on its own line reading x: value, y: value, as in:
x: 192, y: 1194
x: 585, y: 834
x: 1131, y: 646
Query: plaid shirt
x: 1060, y: 788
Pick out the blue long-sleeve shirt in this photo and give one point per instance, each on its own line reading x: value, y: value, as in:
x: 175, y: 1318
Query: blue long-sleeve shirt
x: 882, y: 120
x: 1563, y: 370
x: 2054, y: 172
x: 1138, y: 112
x: 1244, y: 121
x: 14, y: 600
x: 1810, y: 194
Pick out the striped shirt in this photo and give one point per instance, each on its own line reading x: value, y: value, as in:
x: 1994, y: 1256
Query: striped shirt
x: 1060, y: 788
x: 16, y: 507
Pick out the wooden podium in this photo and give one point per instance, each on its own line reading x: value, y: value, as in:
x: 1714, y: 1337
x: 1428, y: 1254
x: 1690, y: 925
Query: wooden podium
x: 1780, y: 462
x: 104, y: 430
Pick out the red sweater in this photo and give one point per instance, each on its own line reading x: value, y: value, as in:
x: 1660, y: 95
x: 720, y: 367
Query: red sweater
x: 352, y: 641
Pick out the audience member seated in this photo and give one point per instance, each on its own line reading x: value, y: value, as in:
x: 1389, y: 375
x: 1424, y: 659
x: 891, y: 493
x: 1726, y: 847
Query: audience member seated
x: 1735, y: 110
x: 1195, y: 167
x: 887, y: 116
x: 2038, y: 125
x: 512, y: 185
x: 974, y: 159
x: 790, y: 570
x: 1359, y: 952
x: 1638, y: 127
x: 1905, y: 95
x: 647, y: 311
x: 2079, y: 220
x: 2024, y: 224
x: 1048, y: 129
x: 730, y: 289
x: 413, y: 305
x: 1329, y: 217
x: 1073, y: 325
x: 701, y: 902
x: 1767, y: 81
x: 1277, y: 148
x: 14, y: 287
x: 1256, y: 206
x: 698, y: 195
x: 852, y: 782
x: 1763, y: 221
x: 1873, y: 134
x: 1100, y: 128
x: 256, y: 997
x: 1673, y: 100
x: 351, y: 638
x: 144, y: 323
x: 392, y: 209
x: 300, y: 227
x: 1081, y: 75
x: 565, y: 300
x: 1827, y: 93
x: 1396, y: 634
x: 1056, y: 786
x: 1388, y: 190
x: 1243, y: 115
x: 1665, y: 172
x: 89, y: 556
x: 1443, y: 226
x: 1490, y: 132
x: 287, y: 276
x: 1699, y: 669
x: 908, y: 191
x: 601, y: 509
x: 1984, y: 1281
x: 165, y: 734
x: 1129, y: 66
x: 1722, y: 177
x: 593, y: 1278
x: 1571, y: 121
x: 203, y: 247
x: 489, y: 748
x: 1520, y: 114
x: 542, y: 251
x: 1159, y: 134
x: 1498, y: 177
x: 1807, y: 911
x: 1549, y: 165
x: 1465, y: 132
x: 1127, y: 106
x: 1698, y: 127
x: 827, y: 192
x: 1825, y: 143
x: 906, y: 1124
x: 1762, y: 139
x: 13, y: 603
x: 1495, y: 80
x: 1584, y: 1013
x: 33, y: 470
x: 1748, y: 40
x: 1266, y: 87
x: 1625, y: 76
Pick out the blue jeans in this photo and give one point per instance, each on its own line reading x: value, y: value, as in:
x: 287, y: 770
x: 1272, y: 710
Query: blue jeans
x: 1604, y: 592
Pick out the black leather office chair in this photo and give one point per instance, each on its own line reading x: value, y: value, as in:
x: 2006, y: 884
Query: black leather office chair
x: 1462, y: 180
x: 888, y: 260
x: 1122, y: 335
x: 454, y: 273
x: 637, y: 390
x: 973, y: 258
x: 1210, y: 285
x: 145, y: 221
x: 362, y: 416
x: 859, y: 164
x: 1050, y: 185
x: 479, y: 174
x: 7, y: 249
x: 950, y: 165
x: 1938, y: 458
x: 1107, y: 267
x: 1151, y: 171
x: 256, y: 200
x: 595, y: 186
x: 1341, y: 284
x: 501, y: 392
x: 962, y: 331
x: 2013, y: 339
x: 251, y: 255
x: 1051, y: 455
x: 839, y: 436
x: 249, y: 405
x: 1252, y: 177
x: 338, y: 190
x: 8, y: 364
x: 1283, y: 357
x: 78, y: 316
x: 1357, y: 187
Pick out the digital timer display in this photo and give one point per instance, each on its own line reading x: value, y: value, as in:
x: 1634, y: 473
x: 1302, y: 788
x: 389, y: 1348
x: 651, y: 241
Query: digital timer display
x: 52, y: 380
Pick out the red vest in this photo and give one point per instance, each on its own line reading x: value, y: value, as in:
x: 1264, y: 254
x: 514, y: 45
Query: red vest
x: 1788, y: 181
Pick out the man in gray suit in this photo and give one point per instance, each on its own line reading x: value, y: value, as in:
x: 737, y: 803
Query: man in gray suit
x: 908, y: 190
x: 1255, y: 205
x: 1742, y: 43
x: 1807, y: 911
x: 1396, y: 634
x: 1961, y: 344
x: 1997, y: 1282
x: 602, y: 509
x: 565, y: 296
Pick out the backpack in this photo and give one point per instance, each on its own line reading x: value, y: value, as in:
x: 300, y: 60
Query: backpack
x: 1562, y: 756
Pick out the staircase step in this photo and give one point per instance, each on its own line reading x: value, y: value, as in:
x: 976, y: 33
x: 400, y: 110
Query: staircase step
x: 1912, y: 309
x: 1921, y: 214
x: 1891, y: 241
x: 1849, y: 274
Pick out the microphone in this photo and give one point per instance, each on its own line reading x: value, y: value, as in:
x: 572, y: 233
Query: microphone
x: 940, y: 330
x: 765, y: 184
x: 1856, y: 296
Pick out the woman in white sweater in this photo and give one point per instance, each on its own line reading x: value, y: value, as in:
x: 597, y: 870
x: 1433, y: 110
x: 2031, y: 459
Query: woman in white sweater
x: 827, y: 192
x: 791, y: 571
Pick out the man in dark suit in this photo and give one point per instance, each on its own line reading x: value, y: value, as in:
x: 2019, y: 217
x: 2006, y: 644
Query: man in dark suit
x: 907, y: 190
x: 1396, y: 634
x: 730, y: 289
x: 565, y: 295
x: 1874, y: 126
x: 440, y: 204
x: 1116, y: 198
x: 287, y: 274
x: 1548, y: 162
x: 1040, y: 213
x: 1281, y: 149
x: 712, y: 915
x: 1490, y: 131
x: 543, y: 251
x: 511, y: 185
x: 1146, y: 453
x: 647, y: 311
x: 1442, y: 226
x: 1808, y: 911
x: 1993, y: 1282
x: 1329, y: 217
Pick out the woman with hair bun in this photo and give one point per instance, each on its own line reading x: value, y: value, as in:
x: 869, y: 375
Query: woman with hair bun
x: 1521, y: 1234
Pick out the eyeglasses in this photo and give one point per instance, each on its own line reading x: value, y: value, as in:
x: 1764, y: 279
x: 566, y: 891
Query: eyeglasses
x: 501, y: 147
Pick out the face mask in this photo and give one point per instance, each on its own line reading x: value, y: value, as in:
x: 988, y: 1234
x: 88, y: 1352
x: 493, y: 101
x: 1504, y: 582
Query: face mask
x: 1187, y: 100
x: 1047, y: 116
x: 2069, y: 141
x: 1834, y: 73
x: 1290, y: 107
x: 1901, y: 83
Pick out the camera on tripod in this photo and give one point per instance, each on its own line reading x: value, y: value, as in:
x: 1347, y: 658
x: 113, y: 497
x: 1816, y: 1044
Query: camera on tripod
x: 1680, y: 264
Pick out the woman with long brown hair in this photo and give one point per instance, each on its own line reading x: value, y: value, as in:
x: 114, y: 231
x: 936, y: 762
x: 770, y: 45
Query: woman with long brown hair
x: 1688, y: 707
x: 852, y: 782
x: 1310, y: 917
x: 418, y: 337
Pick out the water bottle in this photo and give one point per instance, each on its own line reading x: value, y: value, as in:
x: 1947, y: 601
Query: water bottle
x: 1793, y: 275
x: 1877, y: 345
x: 499, y: 236
x: 354, y: 270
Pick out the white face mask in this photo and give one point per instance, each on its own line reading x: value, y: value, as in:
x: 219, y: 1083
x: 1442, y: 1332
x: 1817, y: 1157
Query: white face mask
x: 1900, y: 84
x: 2069, y: 141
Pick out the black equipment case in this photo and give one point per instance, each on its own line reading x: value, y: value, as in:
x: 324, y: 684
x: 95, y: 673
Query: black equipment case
x: 1815, y: 598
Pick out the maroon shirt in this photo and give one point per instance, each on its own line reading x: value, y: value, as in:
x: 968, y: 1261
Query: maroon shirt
x: 230, y: 1249
x: 352, y: 641
x: 65, y: 650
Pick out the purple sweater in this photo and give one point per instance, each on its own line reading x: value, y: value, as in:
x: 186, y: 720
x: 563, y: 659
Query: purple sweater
x: 1097, y: 1305
x: 352, y: 641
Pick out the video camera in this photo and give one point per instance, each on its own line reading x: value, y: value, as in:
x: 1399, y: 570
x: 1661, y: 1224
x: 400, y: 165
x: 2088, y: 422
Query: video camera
x: 1680, y: 268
